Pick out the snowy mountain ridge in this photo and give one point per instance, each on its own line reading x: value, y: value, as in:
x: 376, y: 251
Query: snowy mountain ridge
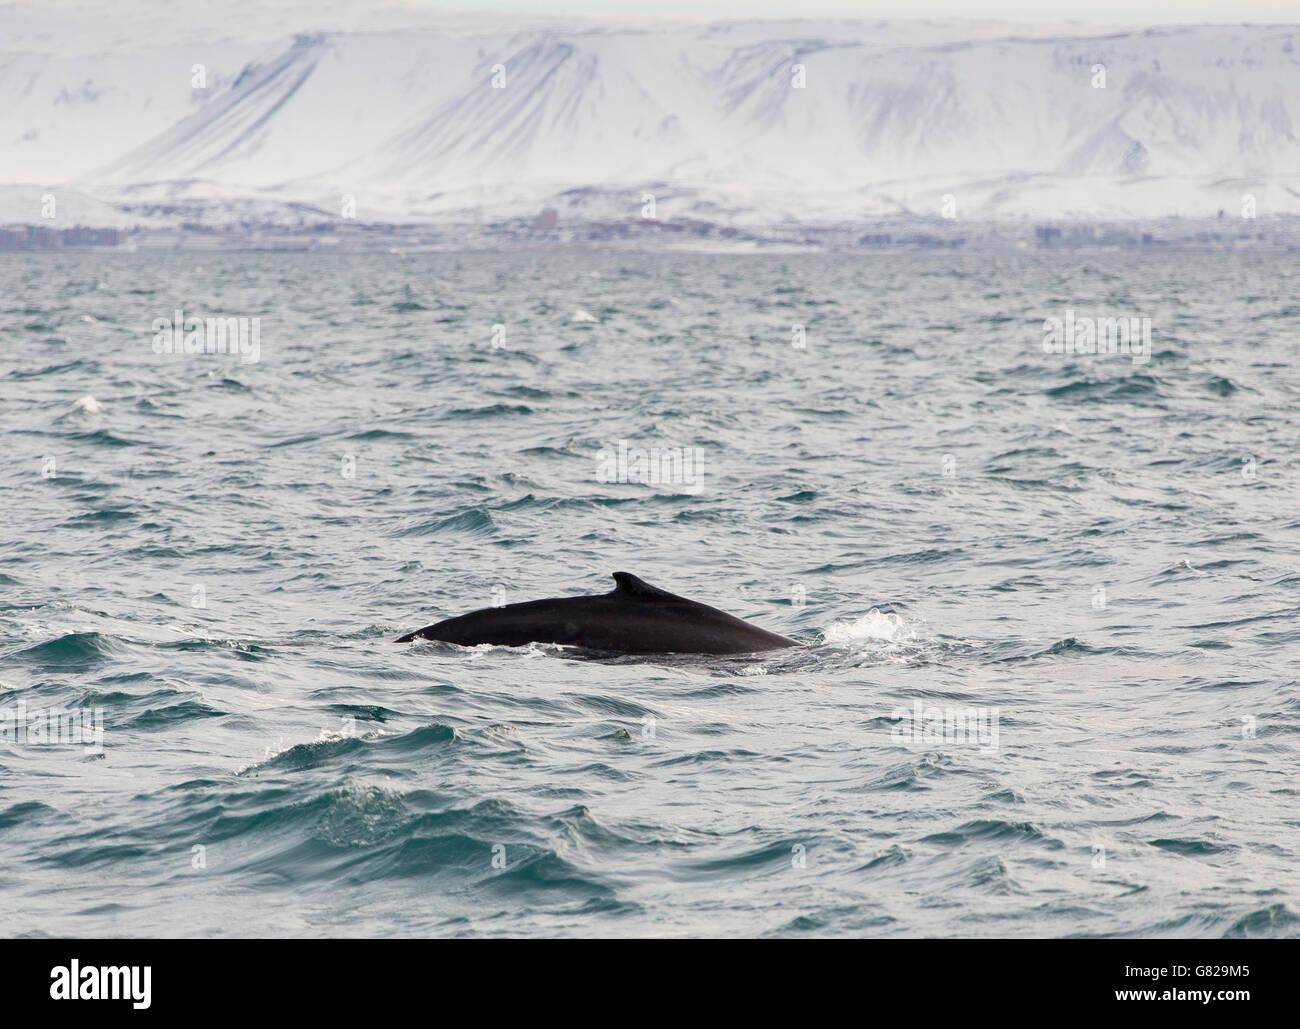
x: 430, y: 118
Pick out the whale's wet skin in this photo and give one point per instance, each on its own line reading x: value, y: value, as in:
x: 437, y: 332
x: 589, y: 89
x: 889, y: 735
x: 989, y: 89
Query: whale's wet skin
x: 1048, y: 604
x: 633, y: 618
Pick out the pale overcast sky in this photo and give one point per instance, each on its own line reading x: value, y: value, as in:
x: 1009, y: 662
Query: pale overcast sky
x: 1103, y: 12
x: 1107, y: 11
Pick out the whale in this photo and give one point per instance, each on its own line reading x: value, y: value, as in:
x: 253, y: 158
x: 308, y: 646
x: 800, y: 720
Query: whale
x: 633, y: 618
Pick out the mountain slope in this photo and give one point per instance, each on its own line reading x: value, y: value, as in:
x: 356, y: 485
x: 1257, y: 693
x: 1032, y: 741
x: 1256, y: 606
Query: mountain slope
x: 748, y: 121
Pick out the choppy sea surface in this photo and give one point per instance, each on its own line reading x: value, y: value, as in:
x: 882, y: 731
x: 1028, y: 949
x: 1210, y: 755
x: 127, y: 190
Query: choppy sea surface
x: 1083, y: 572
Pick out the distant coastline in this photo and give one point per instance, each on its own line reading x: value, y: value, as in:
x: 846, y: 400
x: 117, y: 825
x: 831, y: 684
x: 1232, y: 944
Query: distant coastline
x: 1270, y: 234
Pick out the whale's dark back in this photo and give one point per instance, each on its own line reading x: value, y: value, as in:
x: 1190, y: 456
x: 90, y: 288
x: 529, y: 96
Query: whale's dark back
x: 634, y: 618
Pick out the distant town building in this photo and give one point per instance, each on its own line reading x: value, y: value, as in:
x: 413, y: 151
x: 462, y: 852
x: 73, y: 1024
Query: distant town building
x: 42, y: 237
x: 81, y: 236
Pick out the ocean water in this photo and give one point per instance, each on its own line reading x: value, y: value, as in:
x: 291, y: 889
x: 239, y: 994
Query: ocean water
x: 1083, y: 571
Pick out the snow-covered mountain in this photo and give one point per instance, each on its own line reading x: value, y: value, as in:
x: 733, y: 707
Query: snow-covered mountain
x: 426, y: 117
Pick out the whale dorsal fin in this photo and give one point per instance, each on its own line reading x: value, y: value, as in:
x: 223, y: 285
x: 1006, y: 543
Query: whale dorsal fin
x: 630, y: 586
